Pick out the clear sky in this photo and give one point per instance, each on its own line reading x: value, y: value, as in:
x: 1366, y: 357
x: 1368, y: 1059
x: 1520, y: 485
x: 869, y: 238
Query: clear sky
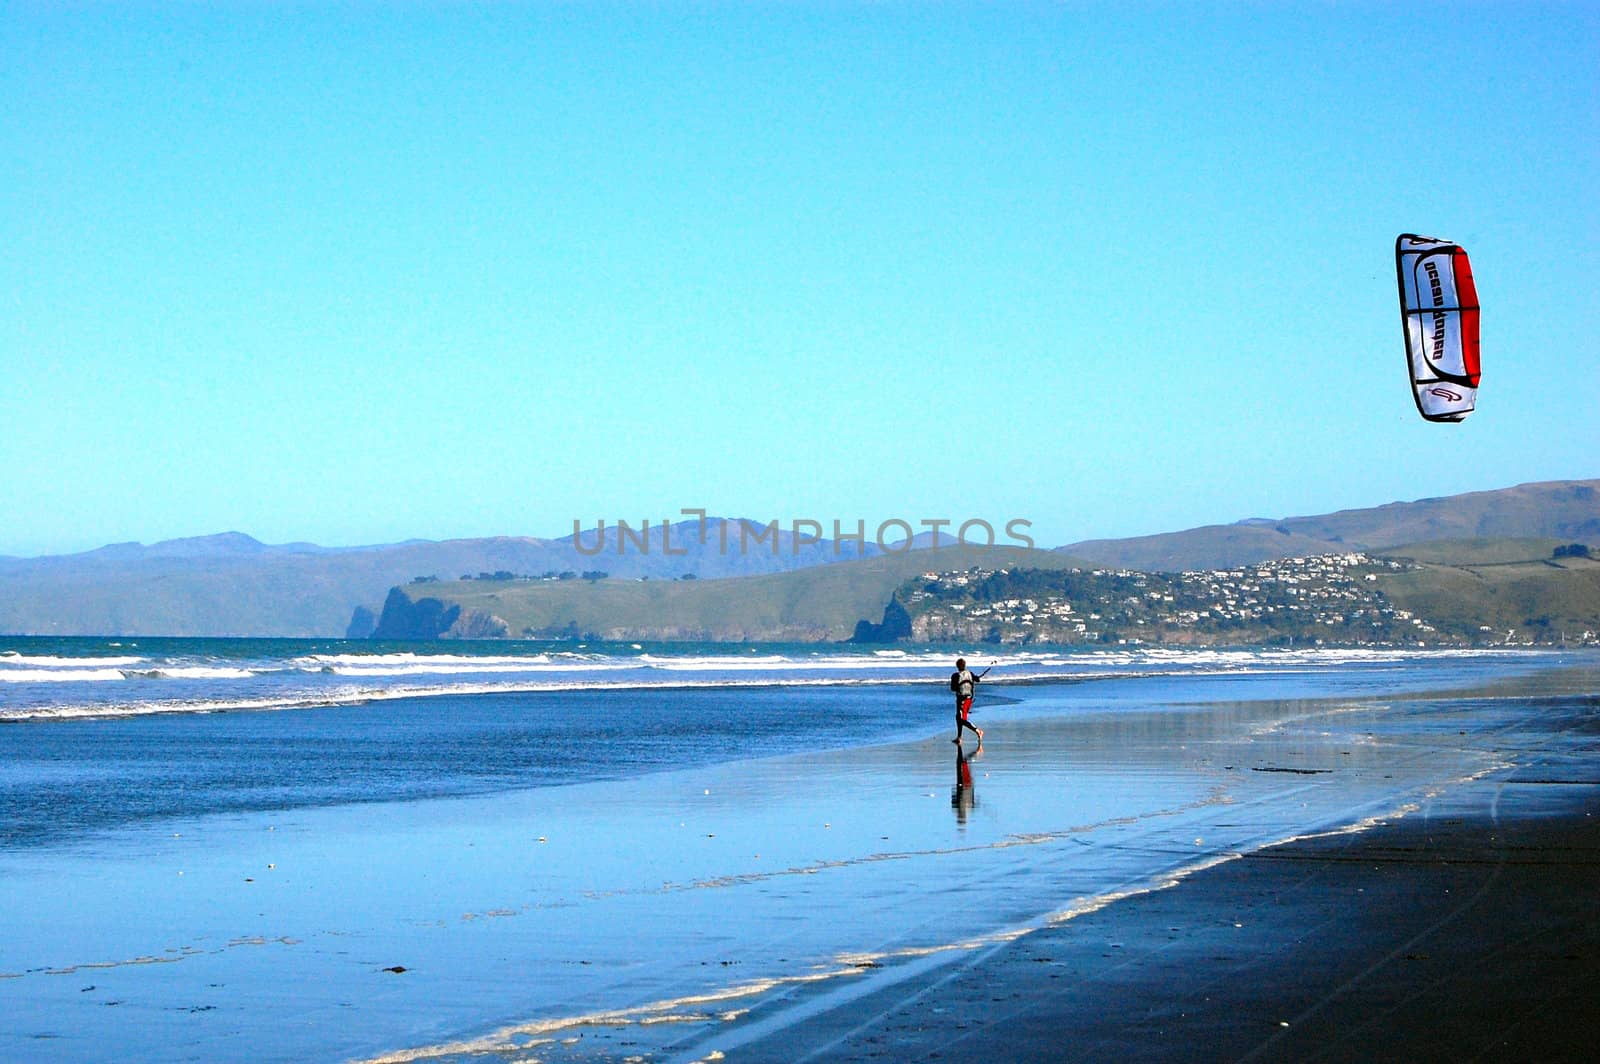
x: 355, y: 273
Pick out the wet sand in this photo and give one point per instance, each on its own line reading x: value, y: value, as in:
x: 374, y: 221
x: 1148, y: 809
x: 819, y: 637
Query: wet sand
x: 1467, y: 930
x: 867, y: 902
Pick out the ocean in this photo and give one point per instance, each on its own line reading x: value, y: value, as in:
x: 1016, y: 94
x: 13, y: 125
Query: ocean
x: 146, y: 728
x: 75, y: 678
x: 326, y: 850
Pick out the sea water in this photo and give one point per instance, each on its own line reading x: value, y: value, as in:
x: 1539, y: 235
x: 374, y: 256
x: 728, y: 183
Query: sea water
x: 223, y: 850
x: 67, y: 678
x: 146, y: 728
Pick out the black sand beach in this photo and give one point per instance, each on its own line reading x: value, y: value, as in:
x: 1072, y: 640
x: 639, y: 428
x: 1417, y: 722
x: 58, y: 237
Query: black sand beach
x: 1468, y: 930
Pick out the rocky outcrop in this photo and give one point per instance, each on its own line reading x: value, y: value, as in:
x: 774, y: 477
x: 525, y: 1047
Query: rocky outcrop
x: 363, y: 622
x: 896, y: 624
x: 431, y: 618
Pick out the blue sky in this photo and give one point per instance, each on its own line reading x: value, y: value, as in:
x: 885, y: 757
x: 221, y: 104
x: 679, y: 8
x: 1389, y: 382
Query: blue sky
x: 359, y: 273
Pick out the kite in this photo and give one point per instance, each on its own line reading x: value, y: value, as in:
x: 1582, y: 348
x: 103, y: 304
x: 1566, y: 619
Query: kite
x: 1439, y: 306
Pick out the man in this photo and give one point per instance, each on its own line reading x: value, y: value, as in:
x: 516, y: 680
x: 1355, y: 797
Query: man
x: 962, y: 683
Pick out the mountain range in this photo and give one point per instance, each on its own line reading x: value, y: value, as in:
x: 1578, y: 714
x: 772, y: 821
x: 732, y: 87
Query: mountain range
x: 232, y: 584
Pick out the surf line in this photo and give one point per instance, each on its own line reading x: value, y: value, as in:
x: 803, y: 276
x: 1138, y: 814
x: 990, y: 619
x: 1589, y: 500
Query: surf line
x: 521, y: 1035
x: 881, y: 965
x: 886, y: 967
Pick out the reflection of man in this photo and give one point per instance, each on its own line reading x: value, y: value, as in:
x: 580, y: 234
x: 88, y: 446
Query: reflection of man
x: 963, y: 797
x: 962, y: 682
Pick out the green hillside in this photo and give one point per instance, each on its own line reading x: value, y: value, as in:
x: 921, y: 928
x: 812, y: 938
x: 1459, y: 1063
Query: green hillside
x: 1450, y: 592
x: 1490, y: 595
x: 1477, y: 550
x: 821, y: 603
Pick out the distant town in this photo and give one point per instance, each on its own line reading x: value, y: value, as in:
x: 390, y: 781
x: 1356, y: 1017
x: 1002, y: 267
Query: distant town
x: 1333, y: 598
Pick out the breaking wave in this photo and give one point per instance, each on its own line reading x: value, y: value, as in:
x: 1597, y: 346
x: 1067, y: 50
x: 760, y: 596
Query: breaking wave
x: 200, y: 676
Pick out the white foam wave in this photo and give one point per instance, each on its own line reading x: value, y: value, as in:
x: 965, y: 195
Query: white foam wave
x: 191, y: 672
x: 59, y: 675
x: 318, y: 661
x: 349, y: 696
x: 466, y: 667
x: 1057, y: 658
x: 155, y: 707
x: 50, y: 661
x: 340, y: 679
x: 113, y: 672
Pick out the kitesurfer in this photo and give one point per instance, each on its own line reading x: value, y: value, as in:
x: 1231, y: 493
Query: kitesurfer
x: 962, y: 682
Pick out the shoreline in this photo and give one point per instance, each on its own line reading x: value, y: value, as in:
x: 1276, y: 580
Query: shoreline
x: 1468, y: 929
x: 68, y: 690
x: 813, y: 903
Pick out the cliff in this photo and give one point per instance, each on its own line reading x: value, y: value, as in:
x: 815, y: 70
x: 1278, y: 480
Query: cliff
x: 404, y: 618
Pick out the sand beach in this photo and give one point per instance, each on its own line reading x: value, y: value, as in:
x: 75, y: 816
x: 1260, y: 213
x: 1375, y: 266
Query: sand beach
x: 1389, y: 859
x: 1469, y: 930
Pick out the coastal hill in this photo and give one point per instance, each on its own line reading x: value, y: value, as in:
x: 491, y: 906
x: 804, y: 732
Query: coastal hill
x: 1447, y: 592
x: 1567, y: 510
x: 823, y: 603
x: 234, y: 585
